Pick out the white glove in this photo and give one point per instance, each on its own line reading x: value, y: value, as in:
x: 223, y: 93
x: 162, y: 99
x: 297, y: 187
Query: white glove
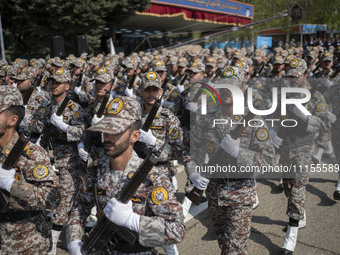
x: 38, y: 141
x: 58, y: 122
x: 162, y: 102
x: 77, y: 90
x: 129, y: 92
x: 147, y: 137
x: 95, y: 119
x: 171, y: 77
x: 6, y: 178
x: 83, y: 154
x: 191, y: 107
x: 122, y: 214
x: 332, y: 117
x: 230, y: 145
x: 300, y: 114
x: 277, y: 141
x: 327, y: 83
x: 180, y: 88
x: 74, y: 247
x: 199, y: 181
x: 15, y: 85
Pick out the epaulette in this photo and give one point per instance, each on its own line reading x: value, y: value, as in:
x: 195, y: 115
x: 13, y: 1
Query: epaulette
x: 71, y: 105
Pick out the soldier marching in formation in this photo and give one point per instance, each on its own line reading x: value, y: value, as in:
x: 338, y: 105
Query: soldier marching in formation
x: 94, y: 110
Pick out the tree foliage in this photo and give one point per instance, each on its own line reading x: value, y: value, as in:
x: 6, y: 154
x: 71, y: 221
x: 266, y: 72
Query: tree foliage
x: 28, y: 25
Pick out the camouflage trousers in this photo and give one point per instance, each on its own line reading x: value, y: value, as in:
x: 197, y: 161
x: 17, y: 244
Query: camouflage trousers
x: 26, y: 237
x: 295, y: 186
x: 232, y: 225
x: 67, y: 191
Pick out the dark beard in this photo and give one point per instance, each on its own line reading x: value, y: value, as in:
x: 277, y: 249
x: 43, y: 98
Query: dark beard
x: 119, y: 150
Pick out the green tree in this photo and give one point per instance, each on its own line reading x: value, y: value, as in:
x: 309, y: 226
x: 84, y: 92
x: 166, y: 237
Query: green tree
x: 28, y: 25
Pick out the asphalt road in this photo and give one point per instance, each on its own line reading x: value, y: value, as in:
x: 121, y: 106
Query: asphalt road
x: 321, y: 236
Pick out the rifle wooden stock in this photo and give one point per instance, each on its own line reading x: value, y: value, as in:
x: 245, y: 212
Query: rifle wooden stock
x: 50, y: 130
x: 10, y: 162
x: 104, y: 231
x: 103, y: 104
x: 195, y: 194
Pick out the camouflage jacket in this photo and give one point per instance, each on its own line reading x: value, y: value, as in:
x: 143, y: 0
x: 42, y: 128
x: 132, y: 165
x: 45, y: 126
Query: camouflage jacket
x: 164, y: 124
x: 35, y: 190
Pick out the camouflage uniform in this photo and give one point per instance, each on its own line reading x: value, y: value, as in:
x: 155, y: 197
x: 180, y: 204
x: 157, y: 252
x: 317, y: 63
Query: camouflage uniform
x: 161, y: 220
x: 230, y: 200
x: 298, y: 144
x: 65, y: 152
x: 24, y: 227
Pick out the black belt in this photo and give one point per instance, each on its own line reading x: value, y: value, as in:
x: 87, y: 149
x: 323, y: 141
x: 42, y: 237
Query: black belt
x: 127, y: 248
x: 18, y: 216
x: 227, y: 180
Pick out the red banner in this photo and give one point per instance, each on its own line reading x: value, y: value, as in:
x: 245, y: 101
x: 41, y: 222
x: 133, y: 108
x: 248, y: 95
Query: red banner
x: 169, y: 11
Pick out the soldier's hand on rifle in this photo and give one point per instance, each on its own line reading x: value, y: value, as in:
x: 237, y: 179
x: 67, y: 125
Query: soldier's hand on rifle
x: 300, y: 114
x: 230, y: 145
x: 77, y: 90
x: 193, y: 107
x: 95, y: 119
x: 180, y: 88
x: 122, y: 214
x: 199, y: 181
x: 129, y: 92
x: 277, y: 141
x: 147, y: 137
x: 6, y: 178
x: 58, y: 122
x: 74, y: 247
x: 83, y: 154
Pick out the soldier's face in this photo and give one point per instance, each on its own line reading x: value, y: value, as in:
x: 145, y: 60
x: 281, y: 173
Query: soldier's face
x: 150, y: 94
x: 3, y: 123
x: 162, y: 74
x: 296, y: 82
x: 209, y: 69
x: 100, y: 88
x: 23, y: 85
x: 59, y: 89
x: 116, y: 145
x: 130, y: 71
x: 326, y: 64
x: 181, y: 70
x: 195, y: 77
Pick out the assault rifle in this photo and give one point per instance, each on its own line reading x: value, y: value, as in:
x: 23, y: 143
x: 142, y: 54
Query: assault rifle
x: 10, y: 162
x: 36, y: 83
x: 100, y: 113
x: 51, y: 130
x: 105, y: 234
x: 195, y: 194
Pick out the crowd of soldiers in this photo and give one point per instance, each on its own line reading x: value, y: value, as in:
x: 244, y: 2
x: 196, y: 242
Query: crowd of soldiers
x: 86, y: 120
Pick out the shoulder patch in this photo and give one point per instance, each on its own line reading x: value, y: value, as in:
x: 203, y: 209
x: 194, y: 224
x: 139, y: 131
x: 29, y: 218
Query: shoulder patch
x: 159, y: 195
x: 321, y: 107
x: 174, y: 134
x: 262, y: 134
x: 152, y: 176
x: 40, y: 171
x: 28, y: 151
x: 209, y: 147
